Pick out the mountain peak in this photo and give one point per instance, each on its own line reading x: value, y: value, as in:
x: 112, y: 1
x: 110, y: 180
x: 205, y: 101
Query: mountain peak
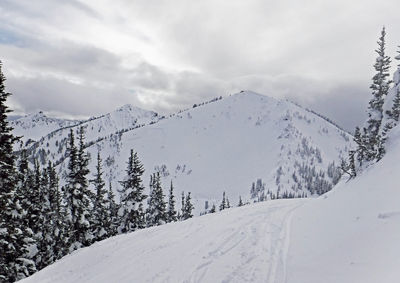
x: 132, y: 110
x: 254, y: 95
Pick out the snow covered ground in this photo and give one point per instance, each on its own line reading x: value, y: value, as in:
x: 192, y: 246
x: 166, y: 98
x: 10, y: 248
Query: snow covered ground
x: 245, y: 244
x: 351, y: 234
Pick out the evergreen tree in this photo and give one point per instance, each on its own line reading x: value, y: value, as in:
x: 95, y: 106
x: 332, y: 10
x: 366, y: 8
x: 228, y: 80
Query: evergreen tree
x: 380, y: 86
x: 240, y: 201
x: 352, y: 167
x: 131, y: 211
x: 213, y: 209
x: 393, y: 113
x: 222, y: 206
x: 112, y: 219
x: 171, y: 212
x: 15, y: 239
x: 57, y: 214
x: 188, y: 207
x: 46, y: 233
x: 77, y: 194
x: 396, y: 106
x: 360, y: 146
x: 156, y: 211
x: 100, y: 205
x: 183, y: 212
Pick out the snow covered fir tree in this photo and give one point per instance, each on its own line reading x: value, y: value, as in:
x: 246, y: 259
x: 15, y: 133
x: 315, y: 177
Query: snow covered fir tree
x: 16, y: 240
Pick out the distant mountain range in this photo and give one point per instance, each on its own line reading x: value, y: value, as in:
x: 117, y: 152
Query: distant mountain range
x: 222, y: 145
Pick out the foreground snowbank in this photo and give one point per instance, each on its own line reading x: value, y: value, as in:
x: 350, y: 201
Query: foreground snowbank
x: 245, y: 244
x: 352, y: 234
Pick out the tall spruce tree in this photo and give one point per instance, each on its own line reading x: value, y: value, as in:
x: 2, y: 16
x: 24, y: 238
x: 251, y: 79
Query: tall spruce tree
x: 131, y: 210
x: 171, y: 212
x: 77, y: 194
x: 100, y: 204
x: 15, y: 238
x: 156, y: 211
x: 380, y: 87
x: 57, y: 214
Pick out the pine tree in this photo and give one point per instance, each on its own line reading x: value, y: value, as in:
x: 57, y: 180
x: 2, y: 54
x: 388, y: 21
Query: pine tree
x: 45, y: 234
x: 131, y: 211
x: 77, y: 194
x: 112, y: 219
x: 100, y: 205
x: 222, y: 206
x: 360, y: 146
x: 240, y: 201
x: 213, y: 209
x: 352, y: 167
x: 183, y: 211
x: 380, y: 87
x: 396, y: 101
x: 156, y: 211
x: 188, y: 207
x: 393, y: 113
x: 57, y: 214
x: 396, y: 106
x: 171, y: 212
x: 15, y: 238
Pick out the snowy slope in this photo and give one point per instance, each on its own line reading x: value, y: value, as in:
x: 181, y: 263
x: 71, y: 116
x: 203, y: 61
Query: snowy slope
x: 353, y: 233
x: 237, y: 245
x: 228, y: 144
x: 349, y: 235
x: 34, y: 126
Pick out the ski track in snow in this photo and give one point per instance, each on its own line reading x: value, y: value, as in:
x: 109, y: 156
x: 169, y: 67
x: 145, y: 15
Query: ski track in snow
x: 247, y: 244
x: 262, y: 244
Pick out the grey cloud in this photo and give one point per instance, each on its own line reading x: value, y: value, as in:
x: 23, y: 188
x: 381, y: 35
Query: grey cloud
x: 318, y: 54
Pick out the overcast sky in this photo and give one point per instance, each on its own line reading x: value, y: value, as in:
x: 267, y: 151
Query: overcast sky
x: 78, y: 58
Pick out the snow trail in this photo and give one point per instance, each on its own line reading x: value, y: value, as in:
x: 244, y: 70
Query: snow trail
x: 246, y: 244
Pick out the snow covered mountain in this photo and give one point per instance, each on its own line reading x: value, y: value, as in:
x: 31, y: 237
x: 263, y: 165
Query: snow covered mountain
x: 53, y: 146
x: 221, y: 146
x: 34, y: 126
x: 350, y: 234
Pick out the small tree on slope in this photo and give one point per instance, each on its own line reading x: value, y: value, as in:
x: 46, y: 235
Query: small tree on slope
x: 171, y: 211
x: 188, y: 207
x: 131, y: 210
x: 156, y: 211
